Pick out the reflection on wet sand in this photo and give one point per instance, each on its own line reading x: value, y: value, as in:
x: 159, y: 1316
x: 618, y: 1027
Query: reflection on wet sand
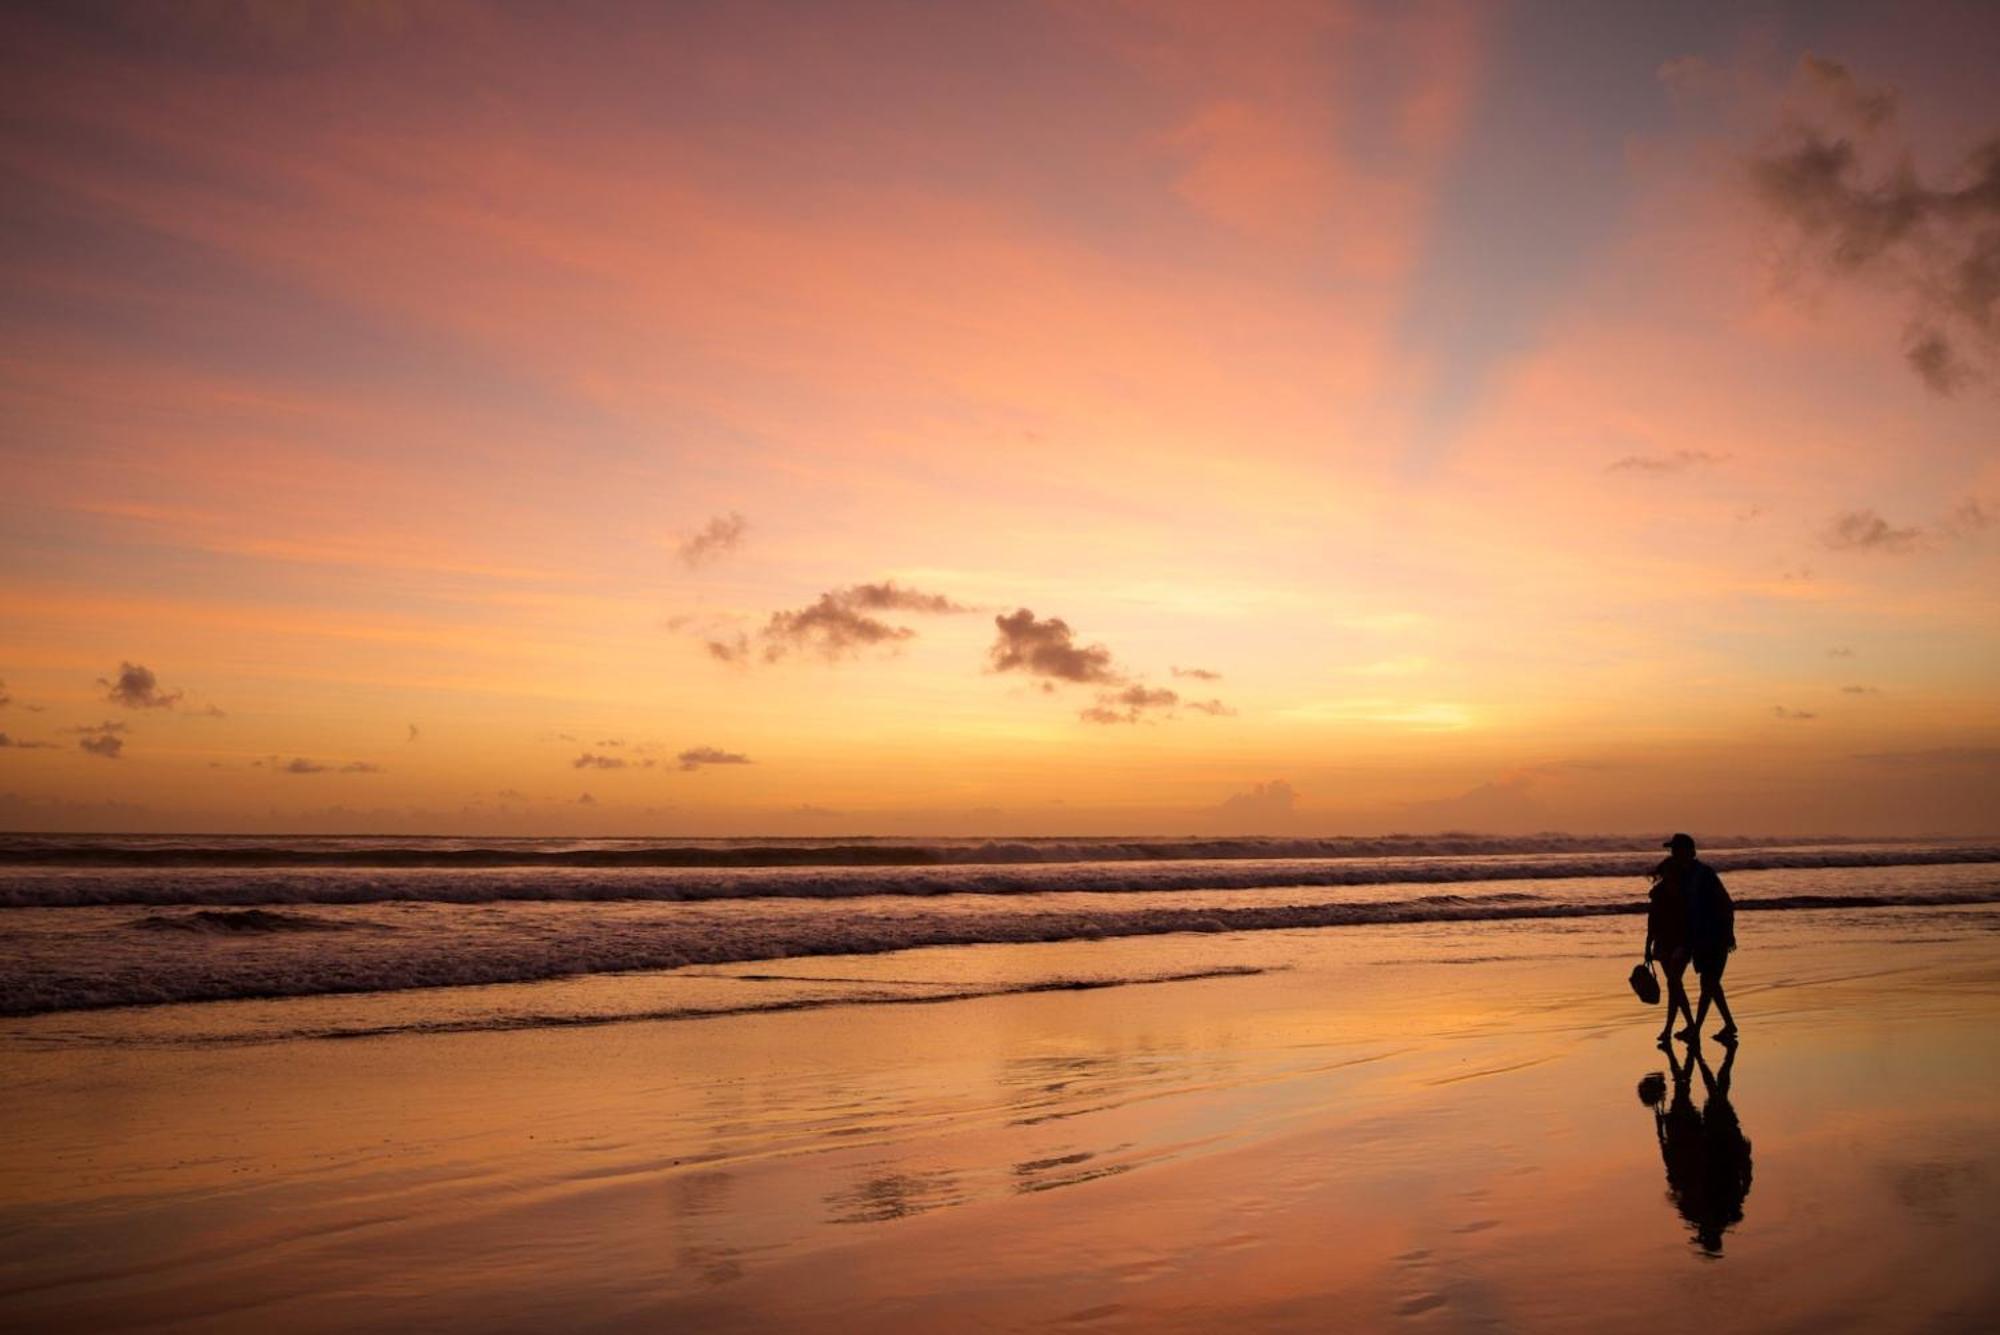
x: 1706, y: 1155
x: 892, y: 1195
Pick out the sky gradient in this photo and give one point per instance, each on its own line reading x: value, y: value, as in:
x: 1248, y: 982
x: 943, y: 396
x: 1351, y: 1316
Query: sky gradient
x: 1000, y: 418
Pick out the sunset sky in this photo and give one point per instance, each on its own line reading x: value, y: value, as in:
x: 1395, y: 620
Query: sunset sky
x: 1000, y: 418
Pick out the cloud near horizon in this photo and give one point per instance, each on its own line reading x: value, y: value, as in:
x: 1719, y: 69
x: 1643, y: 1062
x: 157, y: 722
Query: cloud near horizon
x: 695, y: 757
x: 301, y: 765
x: 105, y: 740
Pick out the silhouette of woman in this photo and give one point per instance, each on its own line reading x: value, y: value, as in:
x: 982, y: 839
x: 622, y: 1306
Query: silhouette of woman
x: 1706, y: 1155
x: 1667, y: 940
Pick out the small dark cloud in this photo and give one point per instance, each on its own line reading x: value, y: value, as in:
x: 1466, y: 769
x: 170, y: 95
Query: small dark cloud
x: 842, y: 622
x: 1861, y: 690
x: 1129, y: 705
x: 714, y: 540
x: 9, y: 743
x: 1935, y: 361
x: 611, y: 741
x: 135, y: 687
x: 5, y: 699
x: 1795, y: 715
x: 586, y: 800
x: 212, y: 711
x: 1679, y: 461
x: 301, y: 765
x: 104, y: 739
x: 590, y: 761
x: 1215, y: 707
x: 1048, y: 648
x: 1866, y: 531
x: 1196, y: 674
x: 1968, y: 517
x: 511, y: 795
x: 1840, y: 651
x: 697, y: 756
x: 413, y: 733
x: 730, y: 651
x: 1938, y: 243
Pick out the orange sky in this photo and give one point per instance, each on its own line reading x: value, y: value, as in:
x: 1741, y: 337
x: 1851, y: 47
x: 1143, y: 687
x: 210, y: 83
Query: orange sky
x: 1520, y: 420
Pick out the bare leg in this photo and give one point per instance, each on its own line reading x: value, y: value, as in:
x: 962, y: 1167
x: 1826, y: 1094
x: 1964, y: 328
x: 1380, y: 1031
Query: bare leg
x: 1728, y: 1030
x: 1677, y: 1002
x: 1701, y: 1013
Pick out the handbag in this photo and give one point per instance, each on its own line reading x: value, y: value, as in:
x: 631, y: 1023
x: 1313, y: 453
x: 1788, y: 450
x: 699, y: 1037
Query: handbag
x: 1645, y: 983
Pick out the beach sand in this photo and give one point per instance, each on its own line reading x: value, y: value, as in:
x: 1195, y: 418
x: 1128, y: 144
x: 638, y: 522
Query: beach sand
x: 1435, y: 1126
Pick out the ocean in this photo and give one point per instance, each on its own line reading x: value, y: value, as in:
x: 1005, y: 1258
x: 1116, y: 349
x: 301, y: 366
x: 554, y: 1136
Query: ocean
x: 393, y: 933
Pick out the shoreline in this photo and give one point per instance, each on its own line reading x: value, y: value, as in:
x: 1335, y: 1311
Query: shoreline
x: 1272, y: 1147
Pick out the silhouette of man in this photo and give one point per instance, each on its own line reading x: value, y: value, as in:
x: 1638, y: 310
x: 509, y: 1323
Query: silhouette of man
x: 1711, y: 933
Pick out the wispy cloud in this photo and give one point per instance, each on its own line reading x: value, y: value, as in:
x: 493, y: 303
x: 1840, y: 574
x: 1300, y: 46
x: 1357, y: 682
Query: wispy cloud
x: 301, y: 765
x: 1676, y: 461
x: 1129, y: 705
x: 695, y: 757
x: 136, y: 687
x: 714, y: 540
x: 105, y: 740
x: 1866, y: 531
x: 11, y: 743
x: 840, y: 623
x: 589, y: 760
x: 1196, y: 674
x: 1794, y: 715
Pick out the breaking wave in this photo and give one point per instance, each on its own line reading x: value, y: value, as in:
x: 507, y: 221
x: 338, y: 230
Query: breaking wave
x: 447, y: 958
x: 42, y: 885
x: 414, y: 852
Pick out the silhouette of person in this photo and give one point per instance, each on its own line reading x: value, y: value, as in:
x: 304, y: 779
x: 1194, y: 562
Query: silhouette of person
x: 1711, y: 934
x: 1667, y: 940
x: 1706, y: 1155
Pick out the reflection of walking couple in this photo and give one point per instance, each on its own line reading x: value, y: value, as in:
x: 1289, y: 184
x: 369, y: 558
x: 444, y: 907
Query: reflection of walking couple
x: 1707, y: 1158
x: 1691, y: 920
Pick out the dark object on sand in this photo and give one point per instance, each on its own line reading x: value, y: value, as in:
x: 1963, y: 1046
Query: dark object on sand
x: 1646, y: 983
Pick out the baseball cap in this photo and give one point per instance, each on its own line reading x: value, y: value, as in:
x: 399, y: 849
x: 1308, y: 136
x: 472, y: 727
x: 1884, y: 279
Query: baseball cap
x: 1678, y: 840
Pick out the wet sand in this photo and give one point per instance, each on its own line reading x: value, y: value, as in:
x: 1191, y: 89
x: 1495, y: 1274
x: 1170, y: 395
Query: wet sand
x: 1434, y: 1126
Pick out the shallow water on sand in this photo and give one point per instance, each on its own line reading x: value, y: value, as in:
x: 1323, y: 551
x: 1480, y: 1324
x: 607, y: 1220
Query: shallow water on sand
x: 1430, y: 1124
